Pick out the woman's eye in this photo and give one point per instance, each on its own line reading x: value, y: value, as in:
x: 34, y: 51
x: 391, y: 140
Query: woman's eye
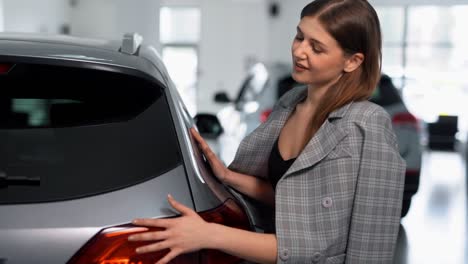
x: 316, y: 50
x: 300, y: 38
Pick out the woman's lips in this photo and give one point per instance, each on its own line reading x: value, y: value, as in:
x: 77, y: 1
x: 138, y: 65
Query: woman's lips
x: 299, y: 68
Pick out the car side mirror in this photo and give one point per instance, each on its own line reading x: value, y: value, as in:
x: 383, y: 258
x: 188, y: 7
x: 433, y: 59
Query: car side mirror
x: 222, y: 97
x: 208, y: 126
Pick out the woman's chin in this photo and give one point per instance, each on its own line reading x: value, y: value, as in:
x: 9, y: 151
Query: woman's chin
x: 300, y: 78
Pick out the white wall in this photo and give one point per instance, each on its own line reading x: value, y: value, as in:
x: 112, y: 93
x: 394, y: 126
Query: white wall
x: 110, y: 19
x: 282, y: 28
x: 419, y: 2
x: 46, y: 16
x: 1, y: 15
x: 232, y: 31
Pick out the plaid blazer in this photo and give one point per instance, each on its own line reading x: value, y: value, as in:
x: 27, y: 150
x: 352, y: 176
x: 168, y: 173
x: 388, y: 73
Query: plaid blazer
x: 340, y: 201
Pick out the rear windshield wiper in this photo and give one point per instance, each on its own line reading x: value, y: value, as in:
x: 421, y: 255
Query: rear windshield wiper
x: 6, y: 180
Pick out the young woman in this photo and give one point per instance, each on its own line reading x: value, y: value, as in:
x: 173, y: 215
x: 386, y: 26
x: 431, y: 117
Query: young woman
x: 326, y: 158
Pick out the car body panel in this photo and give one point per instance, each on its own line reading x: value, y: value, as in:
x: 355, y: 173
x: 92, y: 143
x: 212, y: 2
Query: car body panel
x: 203, y: 199
x: 42, y: 245
x: 52, y: 232
x: 49, y: 223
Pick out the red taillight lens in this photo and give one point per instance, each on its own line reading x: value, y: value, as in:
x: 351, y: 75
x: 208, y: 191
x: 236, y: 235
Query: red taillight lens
x: 229, y: 214
x: 5, y: 67
x: 110, y: 246
x: 264, y: 115
x: 405, y: 119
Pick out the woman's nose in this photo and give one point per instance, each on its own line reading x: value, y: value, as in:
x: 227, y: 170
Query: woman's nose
x: 299, y: 50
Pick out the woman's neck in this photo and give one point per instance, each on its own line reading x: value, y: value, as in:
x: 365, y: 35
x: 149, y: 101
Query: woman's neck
x: 316, y: 93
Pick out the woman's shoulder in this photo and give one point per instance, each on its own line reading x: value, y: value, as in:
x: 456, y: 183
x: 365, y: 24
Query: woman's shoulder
x: 364, y: 111
x: 370, y: 118
x: 292, y: 97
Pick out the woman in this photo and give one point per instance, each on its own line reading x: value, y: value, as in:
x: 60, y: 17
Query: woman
x: 326, y: 158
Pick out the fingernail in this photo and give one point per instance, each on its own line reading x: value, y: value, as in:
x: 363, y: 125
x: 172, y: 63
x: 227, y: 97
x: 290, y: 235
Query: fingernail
x: 170, y: 196
x: 135, y: 221
x: 138, y: 250
x: 131, y: 238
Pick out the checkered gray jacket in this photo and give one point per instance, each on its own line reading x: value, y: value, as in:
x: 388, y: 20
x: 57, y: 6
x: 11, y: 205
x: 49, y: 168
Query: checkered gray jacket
x: 340, y: 201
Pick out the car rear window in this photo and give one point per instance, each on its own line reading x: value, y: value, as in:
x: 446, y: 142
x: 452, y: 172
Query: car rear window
x: 68, y: 132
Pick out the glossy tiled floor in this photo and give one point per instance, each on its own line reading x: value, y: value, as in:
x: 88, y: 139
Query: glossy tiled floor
x: 435, y: 229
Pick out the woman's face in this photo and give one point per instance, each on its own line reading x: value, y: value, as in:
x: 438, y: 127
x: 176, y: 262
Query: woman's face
x: 318, y: 60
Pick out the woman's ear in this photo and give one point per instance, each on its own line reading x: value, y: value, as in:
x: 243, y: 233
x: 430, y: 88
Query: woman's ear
x: 353, y: 62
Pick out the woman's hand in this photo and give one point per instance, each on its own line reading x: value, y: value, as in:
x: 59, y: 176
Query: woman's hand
x: 219, y: 170
x: 181, y: 235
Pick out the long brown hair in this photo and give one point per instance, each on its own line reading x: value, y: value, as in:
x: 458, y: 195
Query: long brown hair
x: 354, y: 24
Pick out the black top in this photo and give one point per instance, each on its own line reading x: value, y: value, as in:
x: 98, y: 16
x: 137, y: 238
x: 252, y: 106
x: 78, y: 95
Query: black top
x: 277, y: 166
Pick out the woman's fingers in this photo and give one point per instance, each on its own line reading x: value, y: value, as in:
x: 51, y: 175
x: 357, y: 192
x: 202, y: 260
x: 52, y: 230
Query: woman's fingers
x: 169, y: 256
x: 196, y: 135
x: 163, y: 223
x: 184, y: 210
x: 203, y: 145
x: 149, y: 236
x: 153, y: 247
x: 216, y: 165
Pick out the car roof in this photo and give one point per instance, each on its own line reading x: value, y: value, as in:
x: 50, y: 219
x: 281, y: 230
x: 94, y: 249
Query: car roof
x: 81, y: 50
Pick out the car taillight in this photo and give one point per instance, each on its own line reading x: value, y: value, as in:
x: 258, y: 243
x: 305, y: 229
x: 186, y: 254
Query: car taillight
x: 264, y: 115
x: 110, y: 246
x: 412, y: 173
x: 229, y: 214
x: 406, y: 119
x: 5, y: 67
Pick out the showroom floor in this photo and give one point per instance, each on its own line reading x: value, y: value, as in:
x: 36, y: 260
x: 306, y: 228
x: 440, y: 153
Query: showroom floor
x: 435, y: 229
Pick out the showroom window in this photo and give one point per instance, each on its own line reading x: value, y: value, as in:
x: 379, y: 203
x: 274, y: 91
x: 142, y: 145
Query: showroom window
x: 1, y: 15
x: 180, y: 35
x: 424, y: 51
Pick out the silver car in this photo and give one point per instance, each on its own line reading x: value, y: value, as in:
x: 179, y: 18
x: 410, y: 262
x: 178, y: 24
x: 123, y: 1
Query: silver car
x: 92, y: 135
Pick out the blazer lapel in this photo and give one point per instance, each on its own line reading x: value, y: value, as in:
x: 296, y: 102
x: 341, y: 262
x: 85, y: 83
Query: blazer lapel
x: 254, y: 151
x: 321, y: 144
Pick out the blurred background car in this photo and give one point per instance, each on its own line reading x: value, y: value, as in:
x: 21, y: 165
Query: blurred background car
x: 408, y: 131
x: 92, y: 135
x: 262, y: 86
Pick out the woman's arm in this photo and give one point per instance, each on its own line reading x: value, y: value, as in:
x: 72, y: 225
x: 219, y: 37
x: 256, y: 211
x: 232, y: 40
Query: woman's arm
x: 254, y: 187
x: 376, y: 212
x: 251, y: 246
x: 190, y: 232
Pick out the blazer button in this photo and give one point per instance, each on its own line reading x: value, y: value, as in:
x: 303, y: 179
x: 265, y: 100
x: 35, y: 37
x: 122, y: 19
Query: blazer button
x: 327, y: 202
x: 316, y: 257
x: 284, y: 254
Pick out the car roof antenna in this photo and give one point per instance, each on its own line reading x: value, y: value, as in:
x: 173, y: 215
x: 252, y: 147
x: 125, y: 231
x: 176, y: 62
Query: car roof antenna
x: 131, y: 43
